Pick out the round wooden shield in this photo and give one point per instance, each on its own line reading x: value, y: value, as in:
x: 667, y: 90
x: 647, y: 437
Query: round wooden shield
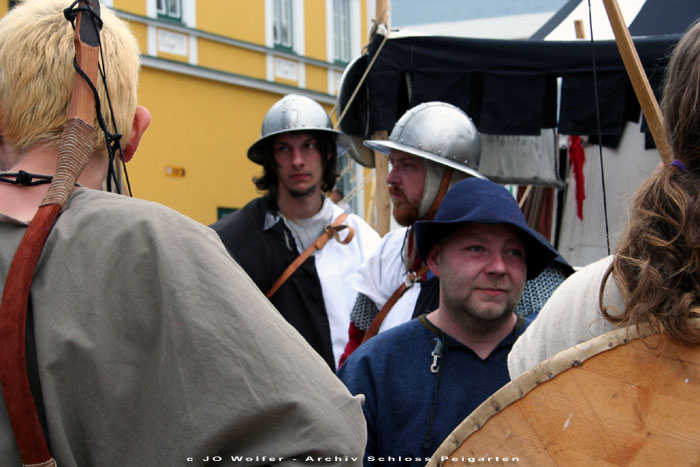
x: 614, y: 400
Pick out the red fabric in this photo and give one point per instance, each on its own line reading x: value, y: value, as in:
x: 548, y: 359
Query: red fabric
x: 354, y: 342
x: 411, y: 249
x: 577, y: 156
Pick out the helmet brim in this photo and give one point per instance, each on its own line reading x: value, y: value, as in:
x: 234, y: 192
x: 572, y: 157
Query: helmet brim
x: 256, y: 152
x: 385, y: 146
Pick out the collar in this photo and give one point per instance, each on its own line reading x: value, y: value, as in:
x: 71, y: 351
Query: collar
x: 271, y: 218
x: 510, y: 339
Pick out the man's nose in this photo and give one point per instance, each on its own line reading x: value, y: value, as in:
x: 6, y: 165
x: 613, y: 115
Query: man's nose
x: 297, y: 157
x: 392, y: 178
x: 496, y: 264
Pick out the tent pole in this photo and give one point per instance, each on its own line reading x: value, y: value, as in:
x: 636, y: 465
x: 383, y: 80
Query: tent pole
x: 381, y: 162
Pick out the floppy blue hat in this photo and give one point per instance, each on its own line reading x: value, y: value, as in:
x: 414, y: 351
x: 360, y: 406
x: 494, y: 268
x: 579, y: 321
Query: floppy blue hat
x: 484, y: 202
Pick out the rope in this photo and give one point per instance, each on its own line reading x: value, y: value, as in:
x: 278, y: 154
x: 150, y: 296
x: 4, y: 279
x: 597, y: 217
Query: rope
x: 356, y: 189
x: 600, y: 133
x: 361, y: 82
x: 73, y: 154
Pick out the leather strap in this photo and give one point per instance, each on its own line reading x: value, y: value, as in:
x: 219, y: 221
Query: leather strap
x: 330, y: 231
x: 412, y: 276
x: 444, y: 185
x: 377, y: 321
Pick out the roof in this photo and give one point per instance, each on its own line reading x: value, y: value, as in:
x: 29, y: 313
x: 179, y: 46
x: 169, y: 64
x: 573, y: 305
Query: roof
x: 642, y: 17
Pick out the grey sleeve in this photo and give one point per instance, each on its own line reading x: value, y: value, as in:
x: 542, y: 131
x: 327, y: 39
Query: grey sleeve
x: 363, y: 312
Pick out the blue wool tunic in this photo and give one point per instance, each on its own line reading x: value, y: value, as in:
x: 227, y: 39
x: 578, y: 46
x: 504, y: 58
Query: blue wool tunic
x: 419, y: 384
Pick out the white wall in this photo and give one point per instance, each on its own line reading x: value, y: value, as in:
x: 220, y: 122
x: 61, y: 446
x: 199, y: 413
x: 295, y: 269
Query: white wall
x: 583, y: 242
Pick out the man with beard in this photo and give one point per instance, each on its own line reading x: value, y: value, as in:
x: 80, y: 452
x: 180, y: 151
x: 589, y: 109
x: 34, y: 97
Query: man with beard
x: 297, y: 246
x: 431, y: 147
x: 422, y: 378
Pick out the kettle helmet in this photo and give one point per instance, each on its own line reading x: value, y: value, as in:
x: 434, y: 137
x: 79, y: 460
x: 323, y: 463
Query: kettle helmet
x: 436, y: 131
x: 295, y: 112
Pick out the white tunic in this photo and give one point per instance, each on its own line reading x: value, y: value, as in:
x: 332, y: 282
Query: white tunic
x: 570, y: 316
x: 382, y: 274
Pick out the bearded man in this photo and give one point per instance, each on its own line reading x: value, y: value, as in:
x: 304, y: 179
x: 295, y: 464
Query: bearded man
x: 422, y: 378
x: 431, y: 147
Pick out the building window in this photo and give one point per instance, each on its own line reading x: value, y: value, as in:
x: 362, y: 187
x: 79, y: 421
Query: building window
x: 282, y: 24
x: 341, y: 28
x: 346, y: 181
x: 223, y: 211
x: 171, y: 9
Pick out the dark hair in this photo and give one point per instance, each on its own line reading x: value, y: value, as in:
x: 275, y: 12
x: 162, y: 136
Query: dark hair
x: 657, y: 265
x: 681, y: 97
x: 326, y: 144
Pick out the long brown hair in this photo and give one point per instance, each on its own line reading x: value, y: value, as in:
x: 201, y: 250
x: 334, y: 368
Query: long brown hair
x: 657, y: 265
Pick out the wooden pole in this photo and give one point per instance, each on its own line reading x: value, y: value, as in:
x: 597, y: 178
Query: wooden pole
x: 640, y: 83
x: 381, y: 162
x: 382, y: 203
x: 382, y: 11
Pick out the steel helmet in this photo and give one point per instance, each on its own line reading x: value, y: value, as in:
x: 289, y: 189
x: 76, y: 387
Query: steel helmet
x: 295, y: 113
x: 436, y: 131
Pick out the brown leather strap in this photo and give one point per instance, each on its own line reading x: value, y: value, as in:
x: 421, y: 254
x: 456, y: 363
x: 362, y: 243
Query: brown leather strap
x: 377, y: 321
x: 330, y: 231
x: 444, y: 185
x: 16, y: 390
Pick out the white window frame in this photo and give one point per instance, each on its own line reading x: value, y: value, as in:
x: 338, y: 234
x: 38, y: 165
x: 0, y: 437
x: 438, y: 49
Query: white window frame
x: 164, y: 8
x: 283, y: 13
x: 342, y: 31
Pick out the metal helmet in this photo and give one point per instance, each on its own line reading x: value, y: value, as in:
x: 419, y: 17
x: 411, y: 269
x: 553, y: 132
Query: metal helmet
x: 436, y: 131
x: 295, y: 113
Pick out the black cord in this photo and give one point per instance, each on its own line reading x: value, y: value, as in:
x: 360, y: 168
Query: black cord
x: 600, y: 132
x: 112, y: 140
x: 26, y: 178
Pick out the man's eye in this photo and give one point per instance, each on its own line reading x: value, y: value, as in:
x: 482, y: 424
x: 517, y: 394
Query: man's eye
x: 516, y: 253
x: 475, y: 248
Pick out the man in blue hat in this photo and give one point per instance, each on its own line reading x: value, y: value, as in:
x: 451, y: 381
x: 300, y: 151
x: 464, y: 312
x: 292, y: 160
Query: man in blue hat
x: 422, y: 378
x: 431, y: 147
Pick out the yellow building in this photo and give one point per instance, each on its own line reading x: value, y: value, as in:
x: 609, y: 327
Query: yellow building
x: 210, y: 71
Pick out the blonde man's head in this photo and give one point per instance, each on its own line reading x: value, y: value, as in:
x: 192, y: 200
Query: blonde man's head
x: 36, y: 74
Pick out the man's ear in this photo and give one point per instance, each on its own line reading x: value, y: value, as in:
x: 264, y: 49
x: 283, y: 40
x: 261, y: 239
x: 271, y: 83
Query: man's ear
x: 433, y: 259
x: 142, y: 118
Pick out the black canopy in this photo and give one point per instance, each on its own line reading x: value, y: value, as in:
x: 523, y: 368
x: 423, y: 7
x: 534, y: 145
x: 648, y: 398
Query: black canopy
x: 508, y: 87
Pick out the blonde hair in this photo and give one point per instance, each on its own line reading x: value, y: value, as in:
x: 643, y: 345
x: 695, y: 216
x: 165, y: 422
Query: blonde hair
x: 36, y: 74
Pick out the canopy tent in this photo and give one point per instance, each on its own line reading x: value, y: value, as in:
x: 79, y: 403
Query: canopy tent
x: 514, y: 89
x: 522, y: 95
